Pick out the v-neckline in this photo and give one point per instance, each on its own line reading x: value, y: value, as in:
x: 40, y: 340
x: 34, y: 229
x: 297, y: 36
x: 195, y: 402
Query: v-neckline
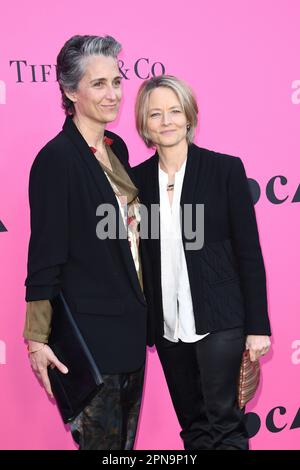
x: 165, y: 176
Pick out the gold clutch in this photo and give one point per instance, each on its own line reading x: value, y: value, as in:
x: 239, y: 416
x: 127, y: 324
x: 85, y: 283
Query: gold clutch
x: 249, y: 379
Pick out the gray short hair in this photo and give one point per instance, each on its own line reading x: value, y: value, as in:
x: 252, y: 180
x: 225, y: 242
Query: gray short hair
x: 183, y: 92
x: 71, y: 62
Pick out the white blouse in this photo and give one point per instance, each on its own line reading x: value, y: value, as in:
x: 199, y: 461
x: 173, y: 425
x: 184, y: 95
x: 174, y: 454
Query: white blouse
x: 179, y: 322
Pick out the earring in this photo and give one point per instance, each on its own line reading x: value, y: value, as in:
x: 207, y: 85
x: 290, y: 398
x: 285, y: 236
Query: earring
x: 188, y: 126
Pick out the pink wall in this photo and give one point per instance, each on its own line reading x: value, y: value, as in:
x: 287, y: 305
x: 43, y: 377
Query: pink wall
x: 242, y: 59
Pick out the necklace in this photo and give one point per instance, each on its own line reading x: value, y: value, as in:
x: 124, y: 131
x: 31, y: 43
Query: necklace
x: 170, y: 187
x: 106, y: 140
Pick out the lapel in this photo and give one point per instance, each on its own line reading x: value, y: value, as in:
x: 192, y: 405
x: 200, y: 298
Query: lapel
x: 152, y: 197
x: 195, y: 177
x: 152, y: 181
x: 107, y: 194
x: 90, y: 160
x: 194, y: 185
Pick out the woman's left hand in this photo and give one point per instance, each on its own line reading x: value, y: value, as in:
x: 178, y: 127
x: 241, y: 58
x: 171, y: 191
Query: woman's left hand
x: 258, y: 345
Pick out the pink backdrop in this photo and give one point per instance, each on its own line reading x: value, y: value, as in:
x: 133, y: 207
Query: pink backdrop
x: 242, y: 59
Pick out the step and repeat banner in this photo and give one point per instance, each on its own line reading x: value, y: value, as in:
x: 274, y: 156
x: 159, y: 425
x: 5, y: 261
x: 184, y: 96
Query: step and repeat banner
x: 241, y: 57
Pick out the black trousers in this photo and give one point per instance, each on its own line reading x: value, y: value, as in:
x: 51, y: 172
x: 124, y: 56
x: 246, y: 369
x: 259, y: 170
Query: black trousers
x: 110, y: 421
x: 202, y: 379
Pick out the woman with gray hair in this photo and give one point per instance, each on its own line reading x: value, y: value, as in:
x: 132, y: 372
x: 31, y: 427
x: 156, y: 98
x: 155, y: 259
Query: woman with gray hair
x: 207, y: 291
x: 85, y: 167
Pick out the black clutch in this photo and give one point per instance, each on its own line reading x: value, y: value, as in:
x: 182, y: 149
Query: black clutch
x: 74, y: 390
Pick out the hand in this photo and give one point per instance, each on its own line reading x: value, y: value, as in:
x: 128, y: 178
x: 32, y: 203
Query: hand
x: 41, y: 357
x: 258, y: 345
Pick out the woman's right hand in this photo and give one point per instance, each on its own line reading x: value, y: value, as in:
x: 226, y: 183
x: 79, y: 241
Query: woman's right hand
x: 41, y: 356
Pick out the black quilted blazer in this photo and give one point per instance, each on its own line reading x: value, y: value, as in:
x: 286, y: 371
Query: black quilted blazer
x: 227, y: 275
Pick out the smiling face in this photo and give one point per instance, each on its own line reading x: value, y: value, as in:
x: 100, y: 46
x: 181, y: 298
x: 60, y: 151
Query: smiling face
x: 98, y: 95
x: 166, y: 120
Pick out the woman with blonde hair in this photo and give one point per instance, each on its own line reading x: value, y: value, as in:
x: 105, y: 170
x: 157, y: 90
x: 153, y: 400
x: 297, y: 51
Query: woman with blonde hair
x: 204, y: 277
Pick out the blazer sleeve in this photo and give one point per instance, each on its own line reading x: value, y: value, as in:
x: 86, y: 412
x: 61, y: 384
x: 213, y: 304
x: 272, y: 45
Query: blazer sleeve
x: 248, y: 251
x: 48, y: 245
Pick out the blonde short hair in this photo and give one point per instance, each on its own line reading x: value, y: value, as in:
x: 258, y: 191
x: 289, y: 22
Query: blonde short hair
x: 183, y: 92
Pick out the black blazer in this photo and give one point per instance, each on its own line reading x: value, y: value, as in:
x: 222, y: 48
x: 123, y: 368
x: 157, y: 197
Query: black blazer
x: 97, y: 277
x: 227, y: 276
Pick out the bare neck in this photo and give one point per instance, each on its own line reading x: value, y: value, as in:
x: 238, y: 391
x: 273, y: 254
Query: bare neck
x: 92, y: 132
x: 172, y: 158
